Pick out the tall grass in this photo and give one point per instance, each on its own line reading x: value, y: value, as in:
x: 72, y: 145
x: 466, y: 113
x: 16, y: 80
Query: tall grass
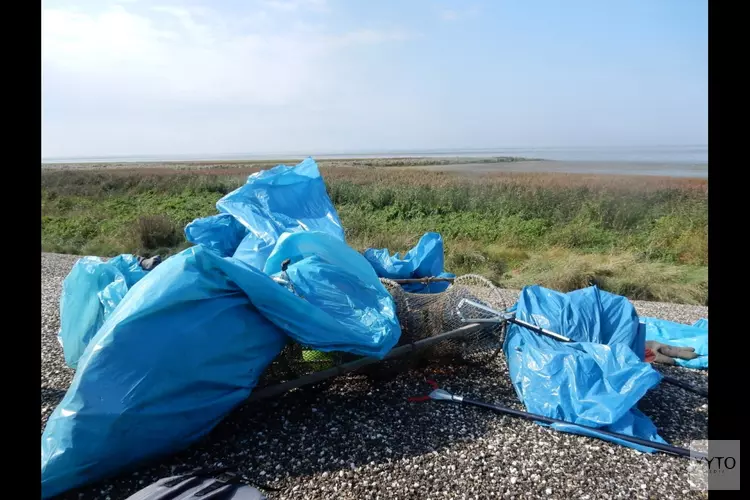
x: 602, y: 228
x: 663, y: 219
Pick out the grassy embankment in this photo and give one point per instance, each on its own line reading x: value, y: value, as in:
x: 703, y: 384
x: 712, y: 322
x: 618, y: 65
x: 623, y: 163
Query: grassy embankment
x: 646, y: 238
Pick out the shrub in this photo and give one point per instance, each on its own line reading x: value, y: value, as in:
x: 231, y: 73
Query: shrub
x: 157, y: 231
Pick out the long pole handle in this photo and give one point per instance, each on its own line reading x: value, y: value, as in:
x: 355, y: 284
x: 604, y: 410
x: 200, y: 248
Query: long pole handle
x: 674, y: 450
x: 313, y: 378
x: 684, y: 385
x: 539, y: 330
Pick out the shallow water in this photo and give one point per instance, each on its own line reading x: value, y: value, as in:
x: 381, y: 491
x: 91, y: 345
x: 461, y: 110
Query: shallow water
x: 662, y: 169
x: 653, y: 154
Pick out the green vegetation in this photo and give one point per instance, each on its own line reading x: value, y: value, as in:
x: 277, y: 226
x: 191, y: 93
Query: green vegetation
x: 646, y: 238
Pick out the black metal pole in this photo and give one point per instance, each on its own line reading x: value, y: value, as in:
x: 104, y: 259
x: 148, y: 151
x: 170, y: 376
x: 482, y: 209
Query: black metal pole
x: 684, y: 385
x: 674, y: 450
x: 316, y: 377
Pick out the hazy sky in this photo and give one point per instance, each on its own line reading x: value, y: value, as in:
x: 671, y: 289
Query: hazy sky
x: 273, y: 76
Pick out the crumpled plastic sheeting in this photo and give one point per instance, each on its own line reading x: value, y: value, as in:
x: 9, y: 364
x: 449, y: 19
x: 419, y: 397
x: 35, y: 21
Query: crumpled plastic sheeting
x: 680, y: 335
x: 425, y: 260
x: 282, y: 199
x: 701, y: 323
x: 343, y: 296
x: 222, y: 233
x: 598, y: 379
x: 183, y: 349
x: 188, y: 343
x: 91, y: 291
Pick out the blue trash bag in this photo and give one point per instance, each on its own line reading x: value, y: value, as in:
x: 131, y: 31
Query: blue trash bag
x: 425, y: 260
x: 184, y: 348
x: 222, y: 233
x: 680, y: 335
x: 595, y: 381
x: 282, y: 199
x: 188, y: 343
x: 90, y: 292
x: 342, y: 294
x: 701, y: 323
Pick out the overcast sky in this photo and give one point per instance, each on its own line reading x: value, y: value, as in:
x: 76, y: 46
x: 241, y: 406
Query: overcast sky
x: 274, y: 76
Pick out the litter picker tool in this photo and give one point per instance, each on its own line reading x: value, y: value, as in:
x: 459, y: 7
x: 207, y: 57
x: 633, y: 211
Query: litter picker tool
x: 484, y: 314
x: 438, y: 394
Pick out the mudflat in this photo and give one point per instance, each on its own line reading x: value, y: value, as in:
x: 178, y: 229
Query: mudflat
x: 578, y: 167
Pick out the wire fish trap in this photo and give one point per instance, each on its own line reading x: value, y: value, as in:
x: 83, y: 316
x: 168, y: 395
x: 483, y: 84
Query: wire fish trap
x: 427, y: 315
x: 432, y: 328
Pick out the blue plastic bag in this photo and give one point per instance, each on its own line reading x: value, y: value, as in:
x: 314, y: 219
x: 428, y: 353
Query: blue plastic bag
x: 425, y: 260
x: 282, y: 199
x: 184, y: 348
x: 345, y: 307
x: 91, y: 291
x: 701, y: 323
x: 680, y: 335
x: 598, y: 379
x: 222, y: 233
x: 188, y: 343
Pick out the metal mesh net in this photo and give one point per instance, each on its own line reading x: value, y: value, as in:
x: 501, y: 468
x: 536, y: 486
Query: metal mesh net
x: 421, y: 315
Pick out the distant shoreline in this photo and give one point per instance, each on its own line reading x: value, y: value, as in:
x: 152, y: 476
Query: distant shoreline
x: 590, y: 167
x: 682, y: 154
x: 394, y: 161
x: 281, y: 158
x: 461, y: 165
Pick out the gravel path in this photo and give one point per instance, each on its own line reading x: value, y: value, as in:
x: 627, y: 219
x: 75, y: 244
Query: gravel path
x: 360, y: 439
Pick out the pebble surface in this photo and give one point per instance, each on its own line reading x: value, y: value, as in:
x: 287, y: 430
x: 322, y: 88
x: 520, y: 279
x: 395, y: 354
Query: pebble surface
x: 357, y: 438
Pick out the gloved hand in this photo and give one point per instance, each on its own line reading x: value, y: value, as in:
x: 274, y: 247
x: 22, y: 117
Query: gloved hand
x: 656, y: 352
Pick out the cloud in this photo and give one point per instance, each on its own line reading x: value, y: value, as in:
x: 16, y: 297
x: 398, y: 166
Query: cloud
x: 193, y: 55
x: 297, y: 5
x: 456, y: 14
x: 367, y: 36
x: 145, y: 77
x: 449, y: 15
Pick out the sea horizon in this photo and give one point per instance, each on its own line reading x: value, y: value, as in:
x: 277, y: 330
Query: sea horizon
x: 691, y: 154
